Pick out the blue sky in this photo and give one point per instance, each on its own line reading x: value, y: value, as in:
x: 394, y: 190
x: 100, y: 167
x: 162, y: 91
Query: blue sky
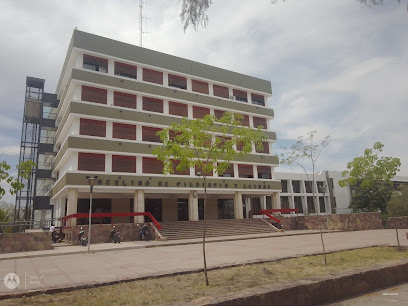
x: 335, y: 66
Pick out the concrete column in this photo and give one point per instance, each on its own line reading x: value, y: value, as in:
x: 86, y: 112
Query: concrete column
x: 165, y: 78
x: 109, y: 97
x: 275, y: 201
x: 238, y: 212
x: 72, y: 207
x: 109, y: 129
x: 210, y: 89
x: 189, y: 111
x: 139, y: 73
x: 192, y: 207
x: 135, y: 207
x: 255, y: 171
x: 166, y: 107
x: 140, y: 205
x: 79, y: 60
x: 139, y: 102
x: 189, y: 85
x: 111, y: 67
x: 263, y: 202
x: 108, y: 163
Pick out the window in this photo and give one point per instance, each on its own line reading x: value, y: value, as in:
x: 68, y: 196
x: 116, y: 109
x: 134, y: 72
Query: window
x: 178, y: 109
x: 265, y: 148
x: 310, y: 205
x: 200, y: 170
x: 125, y: 70
x: 322, y: 205
x: 218, y: 113
x: 229, y: 172
x: 91, y: 162
x: 245, y: 120
x: 284, y: 203
x: 221, y: 91
x: 296, y: 186
x: 149, y: 134
x: 240, y: 95
x: 298, y: 204
x: 179, y: 172
x: 308, y: 185
x: 320, y: 185
x: 95, y: 63
x: 152, y: 76
x: 124, y: 100
x: 92, y: 94
x: 284, y: 186
x: 152, y: 105
x: 264, y: 172
x: 246, y: 171
x: 260, y: 121
x: 177, y: 81
x: 123, y: 163
x: 200, y: 112
x: 225, y: 209
x: 199, y: 86
x: 258, y: 99
x: 152, y: 165
x: 92, y: 127
x: 124, y: 131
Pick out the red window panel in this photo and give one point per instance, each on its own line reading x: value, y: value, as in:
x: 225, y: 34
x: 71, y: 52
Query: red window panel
x: 125, y: 70
x: 123, y: 163
x: 264, y: 172
x: 152, y: 76
x: 91, y: 162
x: 92, y: 94
x: 152, y: 105
x: 179, y: 172
x: 200, y: 112
x: 197, y: 170
x: 95, y: 63
x: 218, y: 113
x: 229, y: 172
x: 265, y: 148
x: 149, y: 134
x: 245, y: 171
x: 177, y: 81
x: 199, y: 86
x: 124, y: 99
x: 152, y: 165
x: 260, y: 121
x: 240, y: 95
x: 245, y: 120
x: 258, y: 99
x: 92, y: 127
x: 178, y: 109
x: 124, y: 131
x: 221, y: 91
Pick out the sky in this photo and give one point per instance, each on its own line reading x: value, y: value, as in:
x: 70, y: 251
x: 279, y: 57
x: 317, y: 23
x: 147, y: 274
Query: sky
x: 335, y: 66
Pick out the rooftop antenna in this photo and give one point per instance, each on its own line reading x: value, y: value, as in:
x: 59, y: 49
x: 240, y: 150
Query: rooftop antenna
x: 141, y: 18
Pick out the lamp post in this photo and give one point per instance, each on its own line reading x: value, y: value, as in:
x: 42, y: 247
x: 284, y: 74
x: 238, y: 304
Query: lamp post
x: 323, y: 190
x: 91, y: 182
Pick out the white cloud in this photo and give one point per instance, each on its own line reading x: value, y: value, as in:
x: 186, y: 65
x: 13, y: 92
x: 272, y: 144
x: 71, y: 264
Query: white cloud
x: 10, y: 150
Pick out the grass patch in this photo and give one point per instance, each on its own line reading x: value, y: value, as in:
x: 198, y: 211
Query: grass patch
x: 187, y: 287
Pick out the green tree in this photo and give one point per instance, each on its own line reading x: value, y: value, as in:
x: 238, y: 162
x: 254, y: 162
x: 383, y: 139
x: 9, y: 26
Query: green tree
x: 207, y: 144
x: 23, y: 169
x: 369, y: 177
x: 6, y: 212
x: 305, y: 150
x: 193, y: 12
x: 397, y: 206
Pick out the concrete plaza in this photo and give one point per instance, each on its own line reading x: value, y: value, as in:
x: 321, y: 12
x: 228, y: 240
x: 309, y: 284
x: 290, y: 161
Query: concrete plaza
x: 71, y: 266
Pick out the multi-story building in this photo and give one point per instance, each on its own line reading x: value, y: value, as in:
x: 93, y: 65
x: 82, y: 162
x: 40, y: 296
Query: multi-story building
x: 114, y: 97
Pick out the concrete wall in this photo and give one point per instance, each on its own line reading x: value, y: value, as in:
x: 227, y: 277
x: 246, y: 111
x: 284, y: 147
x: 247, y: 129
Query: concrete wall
x: 398, y: 222
x: 344, y: 222
x: 169, y: 208
x: 25, y: 242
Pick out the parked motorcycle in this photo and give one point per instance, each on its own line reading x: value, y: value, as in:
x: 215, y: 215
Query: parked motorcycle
x: 115, y: 236
x: 82, y: 239
x: 277, y: 225
x: 144, y: 232
x: 55, y: 237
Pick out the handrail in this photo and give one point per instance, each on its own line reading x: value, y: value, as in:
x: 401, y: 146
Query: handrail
x: 102, y: 215
x: 267, y: 212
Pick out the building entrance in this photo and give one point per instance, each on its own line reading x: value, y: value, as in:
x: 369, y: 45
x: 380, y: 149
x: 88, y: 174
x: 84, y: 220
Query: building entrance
x: 154, y: 206
x: 182, y: 209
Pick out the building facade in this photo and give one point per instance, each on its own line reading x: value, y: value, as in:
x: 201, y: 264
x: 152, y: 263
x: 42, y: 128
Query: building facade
x: 114, y: 97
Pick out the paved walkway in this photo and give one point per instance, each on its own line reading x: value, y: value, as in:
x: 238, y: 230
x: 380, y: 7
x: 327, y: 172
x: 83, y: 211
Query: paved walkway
x: 40, y: 271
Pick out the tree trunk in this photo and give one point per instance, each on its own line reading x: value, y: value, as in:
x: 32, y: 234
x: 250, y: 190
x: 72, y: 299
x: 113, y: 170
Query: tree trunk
x: 205, y: 230
x: 313, y: 191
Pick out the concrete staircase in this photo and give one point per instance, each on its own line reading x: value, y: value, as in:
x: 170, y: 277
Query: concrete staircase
x: 174, y: 230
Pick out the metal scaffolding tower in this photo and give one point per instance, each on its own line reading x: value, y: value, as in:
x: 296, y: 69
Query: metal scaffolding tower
x: 30, y: 135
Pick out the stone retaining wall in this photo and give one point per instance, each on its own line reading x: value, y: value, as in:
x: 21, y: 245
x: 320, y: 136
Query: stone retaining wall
x: 100, y: 233
x: 25, y: 242
x: 398, y: 222
x: 343, y: 222
x: 316, y: 291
